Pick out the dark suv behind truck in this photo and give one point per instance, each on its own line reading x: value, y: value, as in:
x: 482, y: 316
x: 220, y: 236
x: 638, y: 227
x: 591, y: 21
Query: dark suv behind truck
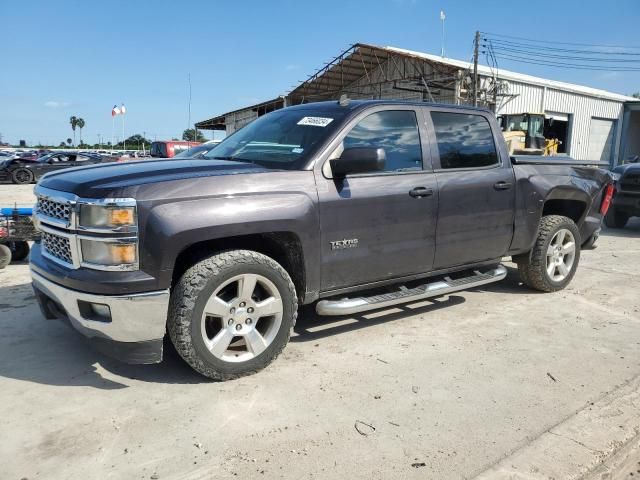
x: 626, y: 201
x: 352, y: 206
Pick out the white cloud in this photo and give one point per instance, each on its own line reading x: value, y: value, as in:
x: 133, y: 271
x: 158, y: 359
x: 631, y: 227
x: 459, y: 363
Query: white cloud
x: 55, y: 104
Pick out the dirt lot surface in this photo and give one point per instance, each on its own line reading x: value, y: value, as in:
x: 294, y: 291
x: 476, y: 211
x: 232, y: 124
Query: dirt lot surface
x: 496, y: 382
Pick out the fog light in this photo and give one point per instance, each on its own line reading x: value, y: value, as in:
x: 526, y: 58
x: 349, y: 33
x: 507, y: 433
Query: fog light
x: 98, y: 312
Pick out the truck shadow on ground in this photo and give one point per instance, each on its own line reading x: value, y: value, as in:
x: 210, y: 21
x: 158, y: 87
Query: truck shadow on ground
x: 50, y: 352
x: 311, y: 326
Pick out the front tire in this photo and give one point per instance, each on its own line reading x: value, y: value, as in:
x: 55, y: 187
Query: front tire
x: 555, y: 255
x: 22, y: 176
x: 615, y: 218
x: 231, y: 314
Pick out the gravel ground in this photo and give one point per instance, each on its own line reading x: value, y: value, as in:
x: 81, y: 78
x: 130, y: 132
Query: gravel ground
x: 497, y: 382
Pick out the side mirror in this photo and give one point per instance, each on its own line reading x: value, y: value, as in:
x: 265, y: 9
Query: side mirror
x: 358, y: 160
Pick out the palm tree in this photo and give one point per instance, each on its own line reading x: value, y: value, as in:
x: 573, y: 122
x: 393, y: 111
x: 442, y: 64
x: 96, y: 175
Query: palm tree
x: 69, y: 141
x: 80, y: 124
x: 74, y: 122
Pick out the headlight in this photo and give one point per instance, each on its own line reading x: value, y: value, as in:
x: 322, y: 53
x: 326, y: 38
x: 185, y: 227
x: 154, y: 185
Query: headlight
x: 107, y: 216
x: 110, y: 254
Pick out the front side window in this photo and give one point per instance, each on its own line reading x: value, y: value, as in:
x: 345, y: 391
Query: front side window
x: 464, y: 141
x: 394, y: 131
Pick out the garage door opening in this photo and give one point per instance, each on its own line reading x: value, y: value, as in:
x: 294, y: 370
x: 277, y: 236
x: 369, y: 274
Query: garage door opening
x: 601, y: 135
x: 556, y: 126
x: 631, y: 140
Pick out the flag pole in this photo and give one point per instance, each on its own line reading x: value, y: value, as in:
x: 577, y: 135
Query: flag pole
x: 124, y: 143
x: 113, y: 131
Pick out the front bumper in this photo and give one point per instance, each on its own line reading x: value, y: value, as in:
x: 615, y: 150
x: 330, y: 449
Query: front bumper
x: 127, y: 327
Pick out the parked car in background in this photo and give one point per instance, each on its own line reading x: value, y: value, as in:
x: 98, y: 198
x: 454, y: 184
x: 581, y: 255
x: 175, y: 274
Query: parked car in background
x: 169, y: 149
x: 133, y: 156
x: 199, y: 151
x: 20, y: 170
x: 626, y: 202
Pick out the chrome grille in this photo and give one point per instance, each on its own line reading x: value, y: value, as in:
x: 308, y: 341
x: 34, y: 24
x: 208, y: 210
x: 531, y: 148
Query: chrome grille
x: 57, y: 246
x: 53, y: 209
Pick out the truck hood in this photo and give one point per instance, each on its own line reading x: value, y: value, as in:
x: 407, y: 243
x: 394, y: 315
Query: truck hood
x: 98, y: 181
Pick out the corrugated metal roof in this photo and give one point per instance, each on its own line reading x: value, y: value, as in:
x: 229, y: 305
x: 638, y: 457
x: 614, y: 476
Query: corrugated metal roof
x: 517, y: 77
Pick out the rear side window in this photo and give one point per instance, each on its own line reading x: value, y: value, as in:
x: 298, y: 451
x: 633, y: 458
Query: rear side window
x: 464, y: 141
x: 396, y: 132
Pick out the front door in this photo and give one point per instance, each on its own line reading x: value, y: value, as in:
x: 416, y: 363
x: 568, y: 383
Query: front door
x: 476, y: 186
x: 379, y: 225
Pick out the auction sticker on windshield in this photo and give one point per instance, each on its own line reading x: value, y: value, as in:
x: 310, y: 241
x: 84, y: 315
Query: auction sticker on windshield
x: 315, y: 121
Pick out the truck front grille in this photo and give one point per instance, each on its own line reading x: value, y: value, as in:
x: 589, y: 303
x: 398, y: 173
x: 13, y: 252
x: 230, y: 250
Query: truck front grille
x: 53, y: 209
x: 57, y: 246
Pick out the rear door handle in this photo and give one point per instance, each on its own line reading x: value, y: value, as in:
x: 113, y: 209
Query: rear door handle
x: 421, y: 192
x: 502, y: 186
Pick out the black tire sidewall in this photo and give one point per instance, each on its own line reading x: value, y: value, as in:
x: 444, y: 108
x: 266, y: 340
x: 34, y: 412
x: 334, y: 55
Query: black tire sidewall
x: 566, y: 225
x: 14, y: 176
x: 281, y: 338
x: 616, y: 219
x: 19, y: 250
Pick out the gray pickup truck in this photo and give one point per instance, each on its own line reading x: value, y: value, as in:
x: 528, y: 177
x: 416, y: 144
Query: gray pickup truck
x: 351, y: 205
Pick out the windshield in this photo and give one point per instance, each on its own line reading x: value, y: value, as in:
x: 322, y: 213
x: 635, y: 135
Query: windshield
x: 284, y: 139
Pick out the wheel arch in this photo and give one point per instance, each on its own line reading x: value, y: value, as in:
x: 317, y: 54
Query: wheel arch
x: 567, y: 202
x: 282, y: 246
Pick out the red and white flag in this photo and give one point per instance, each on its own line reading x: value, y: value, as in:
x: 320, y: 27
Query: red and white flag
x: 122, y: 109
x: 115, y: 111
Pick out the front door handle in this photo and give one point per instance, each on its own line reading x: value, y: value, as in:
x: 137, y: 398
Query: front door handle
x: 502, y: 186
x: 421, y: 192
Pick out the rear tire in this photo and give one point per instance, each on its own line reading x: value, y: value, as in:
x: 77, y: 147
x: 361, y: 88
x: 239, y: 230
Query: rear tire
x: 554, y: 257
x: 19, y: 250
x: 231, y: 314
x: 615, y: 218
x: 22, y: 176
x: 5, y: 255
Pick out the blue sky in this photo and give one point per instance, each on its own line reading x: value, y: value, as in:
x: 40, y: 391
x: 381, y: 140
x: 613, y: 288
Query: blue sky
x: 79, y: 58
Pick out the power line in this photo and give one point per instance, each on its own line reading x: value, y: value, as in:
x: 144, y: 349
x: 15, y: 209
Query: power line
x: 562, y: 57
x: 536, y: 61
x: 506, y: 43
x: 561, y: 43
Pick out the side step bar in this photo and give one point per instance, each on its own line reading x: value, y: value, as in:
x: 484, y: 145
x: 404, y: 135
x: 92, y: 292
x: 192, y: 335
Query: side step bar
x: 348, y: 306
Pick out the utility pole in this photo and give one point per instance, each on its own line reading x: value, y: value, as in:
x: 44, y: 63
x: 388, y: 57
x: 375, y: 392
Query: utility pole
x: 475, y: 68
x: 442, y: 19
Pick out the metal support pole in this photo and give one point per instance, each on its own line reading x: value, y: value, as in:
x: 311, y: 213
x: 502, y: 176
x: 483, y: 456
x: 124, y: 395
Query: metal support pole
x: 475, y: 68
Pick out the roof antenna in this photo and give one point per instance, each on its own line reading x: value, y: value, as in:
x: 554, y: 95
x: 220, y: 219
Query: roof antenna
x: 344, y: 100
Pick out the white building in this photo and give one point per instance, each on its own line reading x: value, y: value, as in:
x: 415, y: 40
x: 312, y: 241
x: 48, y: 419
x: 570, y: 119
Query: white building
x: 591, y: 123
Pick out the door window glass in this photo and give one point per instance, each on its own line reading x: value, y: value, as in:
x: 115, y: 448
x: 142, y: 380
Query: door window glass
x: 464, y: 141
x: 394, y: 131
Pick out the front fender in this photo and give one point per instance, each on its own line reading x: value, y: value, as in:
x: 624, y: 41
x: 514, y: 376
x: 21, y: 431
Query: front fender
x: 172, y: 227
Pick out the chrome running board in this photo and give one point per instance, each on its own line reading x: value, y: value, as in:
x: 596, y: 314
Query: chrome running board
x: 348, y: 306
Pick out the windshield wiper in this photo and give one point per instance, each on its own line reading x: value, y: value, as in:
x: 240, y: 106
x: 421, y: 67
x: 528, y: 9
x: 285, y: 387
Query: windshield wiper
x: 234, y: 159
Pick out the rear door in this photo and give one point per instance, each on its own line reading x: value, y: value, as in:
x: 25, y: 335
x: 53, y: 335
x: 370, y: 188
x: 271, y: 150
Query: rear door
x: 372, y: 228
x: 475, y: 186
